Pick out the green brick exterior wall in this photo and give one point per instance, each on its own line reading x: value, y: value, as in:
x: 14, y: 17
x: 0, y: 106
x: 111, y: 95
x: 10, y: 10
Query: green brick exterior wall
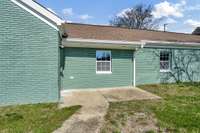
x: 80, y: 63
x: 148, y: 65
x: 28, y: 57
x: 188, y: 66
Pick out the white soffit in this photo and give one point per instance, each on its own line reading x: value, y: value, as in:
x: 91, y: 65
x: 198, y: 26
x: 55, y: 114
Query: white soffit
x: 93, y: 43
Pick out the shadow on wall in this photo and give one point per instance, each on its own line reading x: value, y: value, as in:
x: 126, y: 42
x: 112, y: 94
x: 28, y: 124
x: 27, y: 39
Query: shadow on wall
x: 62, y: 62
x: 185, y: 66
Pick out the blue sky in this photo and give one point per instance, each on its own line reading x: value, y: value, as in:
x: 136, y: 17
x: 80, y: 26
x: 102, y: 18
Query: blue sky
x: 181, y: 15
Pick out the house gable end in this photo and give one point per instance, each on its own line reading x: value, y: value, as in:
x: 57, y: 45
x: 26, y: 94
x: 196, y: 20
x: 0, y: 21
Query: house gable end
x: 29, y: 60
x: 39, y: 12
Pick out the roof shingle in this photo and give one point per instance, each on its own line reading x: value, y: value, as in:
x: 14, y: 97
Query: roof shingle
x: 85, y: 31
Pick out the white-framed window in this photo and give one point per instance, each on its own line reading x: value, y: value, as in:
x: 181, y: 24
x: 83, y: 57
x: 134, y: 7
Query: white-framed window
x: 103, y: 62
x: 165, y: 61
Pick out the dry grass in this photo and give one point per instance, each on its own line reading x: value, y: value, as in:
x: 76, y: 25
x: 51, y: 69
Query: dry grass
x: 178, y: 111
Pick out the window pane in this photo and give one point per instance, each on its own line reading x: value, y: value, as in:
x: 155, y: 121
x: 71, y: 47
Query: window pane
x: 103, y: 65
x: 107, y: 56
x: 108, y: 66
x: 103, y: 59
x: 99, y: 66
x: 164, y: 60
x: 164, y: 65
x: 99, y: 55
x: 103, y: 68
x: 164, y: 56
x: 103, y: 55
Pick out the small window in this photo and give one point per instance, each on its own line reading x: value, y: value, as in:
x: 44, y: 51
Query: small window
x: 103, y: 61
x: 165, y: 60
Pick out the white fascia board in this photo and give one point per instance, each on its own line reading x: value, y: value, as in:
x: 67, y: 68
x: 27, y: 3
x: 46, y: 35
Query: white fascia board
x: 41, y: 10
x: 93, y: 43
x: 130, y: 45
x: 103, y: 41
x: 170, y: 44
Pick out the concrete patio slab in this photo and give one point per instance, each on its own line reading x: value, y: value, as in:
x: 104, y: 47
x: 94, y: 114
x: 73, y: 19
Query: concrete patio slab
x: 94, y: 107
x: 126, y: 94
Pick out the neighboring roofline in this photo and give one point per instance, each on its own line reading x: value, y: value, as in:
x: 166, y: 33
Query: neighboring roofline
x: 148, y: 30
x: 126, y: 44
x: 40, y: 12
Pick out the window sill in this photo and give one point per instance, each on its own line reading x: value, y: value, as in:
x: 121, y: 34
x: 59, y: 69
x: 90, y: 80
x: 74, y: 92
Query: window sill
x: 165, y: 71
x: 103, y: 72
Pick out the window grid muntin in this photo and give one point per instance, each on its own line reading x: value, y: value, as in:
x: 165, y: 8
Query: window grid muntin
x: 165, y: 63
x: 104, y: 62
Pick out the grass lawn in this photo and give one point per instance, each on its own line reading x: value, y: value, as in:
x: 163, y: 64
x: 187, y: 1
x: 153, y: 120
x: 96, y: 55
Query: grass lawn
x: 178, y: 111
x: 39, y: 118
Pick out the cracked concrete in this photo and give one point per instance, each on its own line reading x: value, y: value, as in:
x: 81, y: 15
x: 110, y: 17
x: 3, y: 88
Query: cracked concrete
x: 94, y: 107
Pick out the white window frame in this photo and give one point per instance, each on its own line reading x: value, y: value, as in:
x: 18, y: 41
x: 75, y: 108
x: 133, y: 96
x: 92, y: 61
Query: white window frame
x: 169, y: 61
x: 104, y: 72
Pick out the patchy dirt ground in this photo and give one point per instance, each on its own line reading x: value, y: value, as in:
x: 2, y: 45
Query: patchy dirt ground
x: 129, y: 122
x: 90, y: 118
x: 140, y: 123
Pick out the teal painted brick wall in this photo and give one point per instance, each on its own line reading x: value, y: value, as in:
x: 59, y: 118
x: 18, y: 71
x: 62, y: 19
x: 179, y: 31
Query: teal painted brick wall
x: 147, y: 66
x: 28, y: 57
x: 185, y: 66
x: 81, y: 64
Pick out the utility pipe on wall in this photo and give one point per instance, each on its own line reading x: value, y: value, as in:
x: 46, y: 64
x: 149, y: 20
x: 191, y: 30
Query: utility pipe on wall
x: 134, y: 70
x: 134, y: 63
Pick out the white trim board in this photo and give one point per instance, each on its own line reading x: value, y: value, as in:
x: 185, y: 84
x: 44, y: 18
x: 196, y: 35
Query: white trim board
x: 105, y: 44
x: 169, y: 44
x: 120, y: 44
x: 103, y: 41
x: 41, y: 10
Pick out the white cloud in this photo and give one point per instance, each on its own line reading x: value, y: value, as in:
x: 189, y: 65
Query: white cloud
x: 68, y: 11
x: 192, y: 23
x: 69, y: 21
x: 51, y: 10
x: 171, y: 21
x: 123, y: 12
x: 167, y: 9
x: 85, y: 17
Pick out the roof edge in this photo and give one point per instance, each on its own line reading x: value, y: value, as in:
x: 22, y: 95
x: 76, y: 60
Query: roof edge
x: 73, y: 23
x: 141, y: 43
x: 102, y: 44
x: 170, y: 43
x: 40, y: 12
x: 104, y: 41
x: 132, y: 42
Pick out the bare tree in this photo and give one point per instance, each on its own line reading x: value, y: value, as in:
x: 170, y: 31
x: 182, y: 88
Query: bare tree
x: 196, y: 31
x: 138, y: 17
